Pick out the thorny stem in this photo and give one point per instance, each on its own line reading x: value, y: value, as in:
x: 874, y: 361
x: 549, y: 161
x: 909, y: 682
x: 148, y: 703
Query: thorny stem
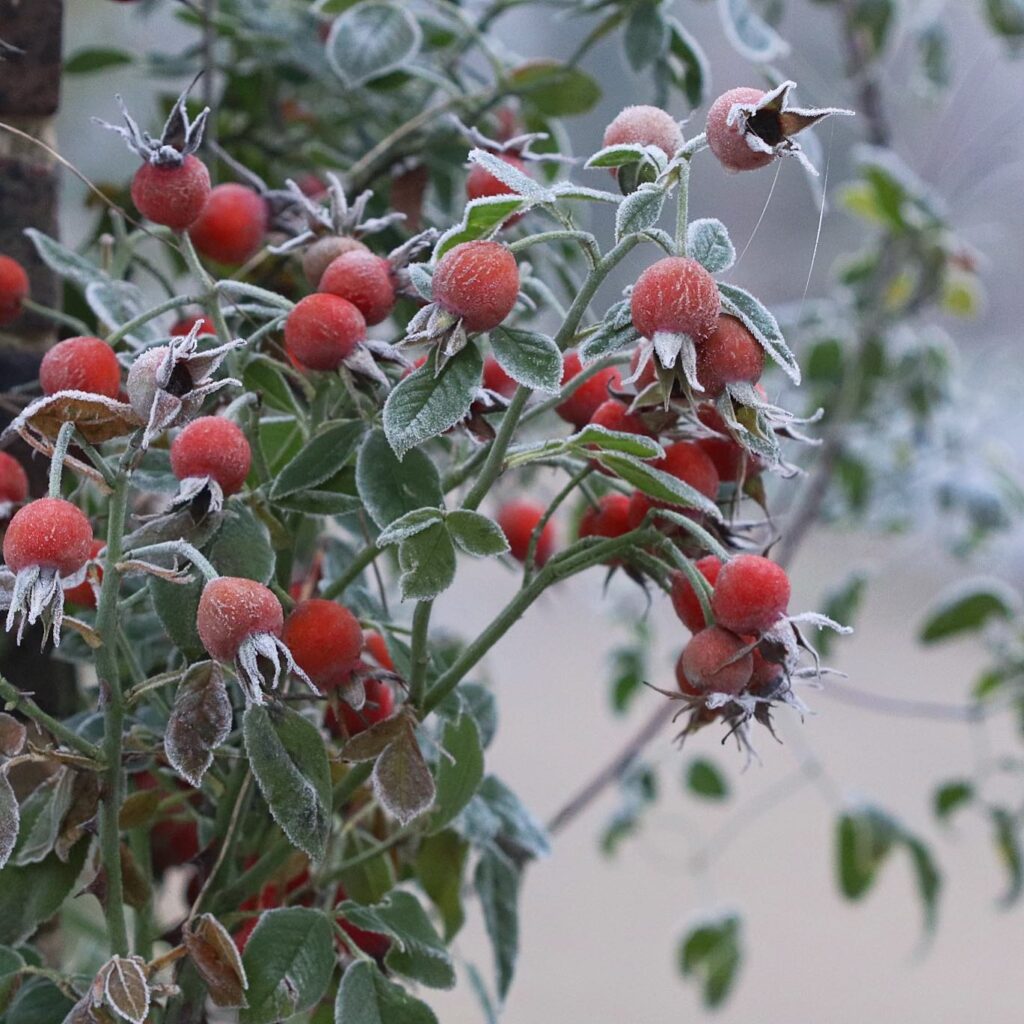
x: 112, y: 698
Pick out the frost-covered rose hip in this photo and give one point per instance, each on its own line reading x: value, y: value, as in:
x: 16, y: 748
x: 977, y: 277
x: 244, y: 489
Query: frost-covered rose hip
x: 580, y: 406
x: 50, y: 533
x: 81, y: 364
x: 644, y: 126
x: 324, y: 251
x: 676, y: 295
x: 496, y: 379
x: 609, y: 519
x: 172, y: 194
x: 322, y: 331
x: 342, y: 720
x: 326, y: 640
x: 232, y: 224
x: 377, y: 648
x: 365, y: 280
x: 240, y: 621
x: 751, y: 594
x: 13, y: 288
x: 184, y: 326
x: 13, y: 482
x: 615, y: 415
x: 729, y: 141
x: 684, y: 597
x: 84, y: 594
x: 477, y: 282
x: 712, y: 662
x: 518, y: 520
x: 729, y: 355
x: 46, y: 546
x: 215, y: 449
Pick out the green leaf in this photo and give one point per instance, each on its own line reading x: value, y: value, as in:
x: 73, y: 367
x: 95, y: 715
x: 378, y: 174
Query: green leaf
x: 496, y: 812
x: 864, y: 840
x: 950, y: 797
x: 38, y: 1001
x: 427, y: 561
x: 460, y: 770
x: 688, y: 64
x: 426, y: 403
x: 928, y: 878
x: 602, y: 439
x: 479, y: 220
x: 401, y: 779
x: 841, y: 605
x: 409, y: 525
x: 1006, y: 17
x: 417, y: 951
x: 262, y: 376
x: 708, y: 242
x: 10, y: 817
x: 967, y: 608
x: 528, y: 358
x: 479, y: 702
x: 242, y: 546
x: 617, y: 156
x: 176, y: 606
x: 95, y: 59
x: 1007, y: 839
x: 657, y: 484
x: 704, y: 779
x: 63, y: 262
x: 371, y: 879
x: 639, y: 210
x: 288, y: 758
x: 11, y: 961
x: 555, y: 89
x: 289, y: 960
x: 750, y: 34
x: 320, y: 458
x: 475, y: 533
x: 711, y: 953
x: 371, y: 40
x: 390, y: 487
x: 646, y: 36
x: 933, y: 50
x: 440, y: 862
x: 116, y: 302
x: 762, y: 325
x: 496, y: 881
x: 365, y: 996
x: 32, y: 894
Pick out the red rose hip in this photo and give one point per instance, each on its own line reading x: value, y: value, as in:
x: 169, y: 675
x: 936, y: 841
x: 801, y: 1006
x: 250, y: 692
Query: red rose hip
x: 172, y: 195
x: 81, y: 364
x: 213, y: 447
x: 479, y: 282
x: 51, y: 533
x: 324, y: 251
x: 13, y: 480
x: 480, y: 183
x: 322, y: 331
x: 731, y: 355
x: 232, y: 225
x: 644, y: 126
x: 751, y: 594
x: 518, y: 519
x: 13, y: 288
x: 609, y: 519
x: 325, y: 639
x: 711, y: 662
x: 365, y: 280
x: 676, y: 295
x: 232, y: 609
x: 580, y: 407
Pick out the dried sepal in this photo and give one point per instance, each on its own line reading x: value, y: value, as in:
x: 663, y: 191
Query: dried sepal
x: 215, y: 956
x: 199, y: 721
x: 96, y: 417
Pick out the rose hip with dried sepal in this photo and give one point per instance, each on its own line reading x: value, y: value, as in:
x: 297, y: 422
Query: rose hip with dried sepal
x: 172, y: 185
x: 81, y: 364
x: 232, y: 225
x: 46, y: 547
x: 211, y: 454
x: 14, y: 286
x: 240, y: 620
x: 716, y: 661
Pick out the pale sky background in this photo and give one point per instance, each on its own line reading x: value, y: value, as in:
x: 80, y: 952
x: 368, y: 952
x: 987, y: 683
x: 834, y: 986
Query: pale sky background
x: 599, y: 936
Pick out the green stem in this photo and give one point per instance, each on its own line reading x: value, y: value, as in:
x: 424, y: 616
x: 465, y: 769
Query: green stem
x: 531, y: 552
x: 211, y: 299
x: 78, y: 326
x: 499, y: 446
x: 559, y: 568
x: 357, y: 565
x: 588, y: 243
x: 108, y: 671
x: 60, y: 451
x: 682, y: 206
x: 151, y: 314
x: 18, y: 701
x: 420, y: 652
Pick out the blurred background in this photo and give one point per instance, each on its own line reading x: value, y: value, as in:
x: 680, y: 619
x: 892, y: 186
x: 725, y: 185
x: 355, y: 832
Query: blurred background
x: 598, y: 934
